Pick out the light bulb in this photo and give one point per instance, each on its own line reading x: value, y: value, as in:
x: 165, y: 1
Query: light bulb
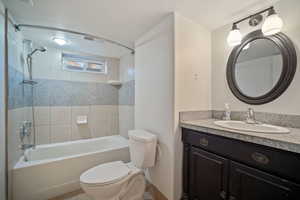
x: 59, y: 41
x: 273, y: 24
x: 235, y: 37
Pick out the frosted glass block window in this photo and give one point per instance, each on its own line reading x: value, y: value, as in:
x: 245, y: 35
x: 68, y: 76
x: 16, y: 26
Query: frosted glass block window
x: 89, y: 64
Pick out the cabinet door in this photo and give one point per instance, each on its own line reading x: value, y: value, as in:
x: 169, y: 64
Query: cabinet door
x: 208, y: 176
x: 248, y: 184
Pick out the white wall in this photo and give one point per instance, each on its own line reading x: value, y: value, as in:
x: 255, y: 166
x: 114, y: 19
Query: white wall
x: 154, y: 99
x: 288, y: 103
x: 48, y: 65
x: 2, y: 111
x: 192, y: 80
x: 173, y: 70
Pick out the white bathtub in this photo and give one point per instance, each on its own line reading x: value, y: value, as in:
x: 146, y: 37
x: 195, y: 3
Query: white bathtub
x: 53, y: 170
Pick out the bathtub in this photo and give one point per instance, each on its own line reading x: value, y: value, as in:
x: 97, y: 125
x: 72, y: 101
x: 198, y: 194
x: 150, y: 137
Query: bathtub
x: 53, y: 170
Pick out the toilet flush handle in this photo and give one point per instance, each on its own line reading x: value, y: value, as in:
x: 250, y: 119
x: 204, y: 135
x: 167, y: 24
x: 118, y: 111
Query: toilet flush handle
x: 158, y: 152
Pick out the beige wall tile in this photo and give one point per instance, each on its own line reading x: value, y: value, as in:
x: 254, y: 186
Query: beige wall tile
x: 60, y: 115
x: 60, y: 133
x: 81, y: 132
x: 79, y: 111
x: 42, y: 134
x: 104, y: 120
x: 126, y: 119
x: 42, y: 115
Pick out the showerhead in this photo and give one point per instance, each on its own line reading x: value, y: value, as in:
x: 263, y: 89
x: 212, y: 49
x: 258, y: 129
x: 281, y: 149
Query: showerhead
x: 40, y: 49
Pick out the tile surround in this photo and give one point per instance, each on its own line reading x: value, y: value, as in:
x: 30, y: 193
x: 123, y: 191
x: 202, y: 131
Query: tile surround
x: 59, y: 124
x: 126, y: 93
x: 66, y: 93
x: 60, y: 133
x: 60, y: 96
x: 58, y: 103
x: 126, y: 119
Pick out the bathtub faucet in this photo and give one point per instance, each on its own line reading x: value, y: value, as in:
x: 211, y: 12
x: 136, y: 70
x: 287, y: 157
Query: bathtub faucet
x: 26, y: 146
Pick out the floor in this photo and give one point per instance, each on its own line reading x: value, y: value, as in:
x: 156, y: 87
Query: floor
x: 80, y: 195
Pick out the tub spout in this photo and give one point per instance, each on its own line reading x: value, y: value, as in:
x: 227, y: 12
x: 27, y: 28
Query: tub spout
x: 26, y: 146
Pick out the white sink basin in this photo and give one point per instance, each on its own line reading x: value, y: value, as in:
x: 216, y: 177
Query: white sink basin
x: 259, y: 128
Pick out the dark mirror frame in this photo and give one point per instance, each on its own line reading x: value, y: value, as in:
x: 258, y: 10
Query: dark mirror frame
x: 289, y: 65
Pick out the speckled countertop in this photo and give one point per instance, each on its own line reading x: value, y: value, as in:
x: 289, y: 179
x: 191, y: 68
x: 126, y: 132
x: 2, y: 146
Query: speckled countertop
x: 287, y: 141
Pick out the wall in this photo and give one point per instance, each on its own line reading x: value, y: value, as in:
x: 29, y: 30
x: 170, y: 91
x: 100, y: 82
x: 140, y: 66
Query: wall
x: 154, y: 99
x: 126, y: 94
x: 192, y: 80
x: 2, y: 110
x: 173, y: 70
x: 288, y: 103
x: 18, y: 94
x: 61, y: 96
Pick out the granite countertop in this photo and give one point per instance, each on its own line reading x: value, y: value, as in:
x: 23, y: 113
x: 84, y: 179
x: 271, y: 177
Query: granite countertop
x: 286, y: 141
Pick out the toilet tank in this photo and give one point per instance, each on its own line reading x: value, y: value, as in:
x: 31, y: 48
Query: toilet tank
x: 142, y: 146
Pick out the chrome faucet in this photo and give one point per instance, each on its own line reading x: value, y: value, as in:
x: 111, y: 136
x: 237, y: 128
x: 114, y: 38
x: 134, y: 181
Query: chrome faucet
x: 250, y: 119
x: 24, y: 147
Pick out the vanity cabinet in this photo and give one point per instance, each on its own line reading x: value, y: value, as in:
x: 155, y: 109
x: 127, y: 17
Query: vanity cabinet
x: 216, y: 168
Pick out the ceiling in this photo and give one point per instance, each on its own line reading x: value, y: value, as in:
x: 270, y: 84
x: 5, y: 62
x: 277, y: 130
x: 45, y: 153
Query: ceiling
x: 126, y: 20
x: 75, y: 43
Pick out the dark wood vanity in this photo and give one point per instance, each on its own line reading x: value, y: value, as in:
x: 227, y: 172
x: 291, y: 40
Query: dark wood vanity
x: 216, y: 167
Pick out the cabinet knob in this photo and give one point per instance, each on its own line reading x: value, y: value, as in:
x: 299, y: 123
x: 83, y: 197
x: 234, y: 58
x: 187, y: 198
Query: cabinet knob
x: 232, y: 198
x: 260, y: 158
x: 223, y: 195
x: 203, y: 142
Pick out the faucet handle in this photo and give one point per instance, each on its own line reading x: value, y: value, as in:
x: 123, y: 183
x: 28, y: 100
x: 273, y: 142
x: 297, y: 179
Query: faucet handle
x: 251, y: 116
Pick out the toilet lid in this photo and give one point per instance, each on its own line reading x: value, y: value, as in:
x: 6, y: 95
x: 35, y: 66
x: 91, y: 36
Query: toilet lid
x: 105, y: 173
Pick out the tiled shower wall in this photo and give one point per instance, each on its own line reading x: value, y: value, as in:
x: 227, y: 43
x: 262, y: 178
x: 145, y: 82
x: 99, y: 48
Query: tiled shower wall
x: 61, y: 96
x: 16, y: 96
x: 126, y: 95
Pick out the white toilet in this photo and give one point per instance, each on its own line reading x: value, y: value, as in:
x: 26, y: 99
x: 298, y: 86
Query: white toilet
x: 122, y: 181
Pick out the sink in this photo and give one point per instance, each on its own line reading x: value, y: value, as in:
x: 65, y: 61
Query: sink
x: 259, y: 128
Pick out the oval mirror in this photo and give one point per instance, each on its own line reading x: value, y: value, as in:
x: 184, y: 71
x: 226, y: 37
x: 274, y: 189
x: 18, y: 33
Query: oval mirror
x: 261, y: 68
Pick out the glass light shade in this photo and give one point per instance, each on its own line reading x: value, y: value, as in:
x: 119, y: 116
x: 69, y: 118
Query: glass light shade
x: 59, y: 41
x: 272, y: 25
x: 234, y: 38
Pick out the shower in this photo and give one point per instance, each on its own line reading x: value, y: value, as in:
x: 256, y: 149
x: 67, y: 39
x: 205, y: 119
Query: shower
x: 29, y: 61
x: 30, y: 125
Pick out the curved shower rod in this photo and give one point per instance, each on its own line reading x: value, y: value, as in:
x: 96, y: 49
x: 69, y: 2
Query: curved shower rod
x: 19, y: 26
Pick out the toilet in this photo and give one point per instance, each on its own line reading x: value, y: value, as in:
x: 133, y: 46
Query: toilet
x: 122, y: 181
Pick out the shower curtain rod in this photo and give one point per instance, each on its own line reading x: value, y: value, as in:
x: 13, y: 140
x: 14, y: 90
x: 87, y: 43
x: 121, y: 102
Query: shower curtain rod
x: 19, y: 26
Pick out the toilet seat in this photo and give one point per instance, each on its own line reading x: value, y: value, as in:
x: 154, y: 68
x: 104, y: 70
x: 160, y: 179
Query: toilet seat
x: 105, y: 174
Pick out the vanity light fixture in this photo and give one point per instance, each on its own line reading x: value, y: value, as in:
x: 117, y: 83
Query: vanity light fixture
x: 235, y: 37
x: 272, y: 25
